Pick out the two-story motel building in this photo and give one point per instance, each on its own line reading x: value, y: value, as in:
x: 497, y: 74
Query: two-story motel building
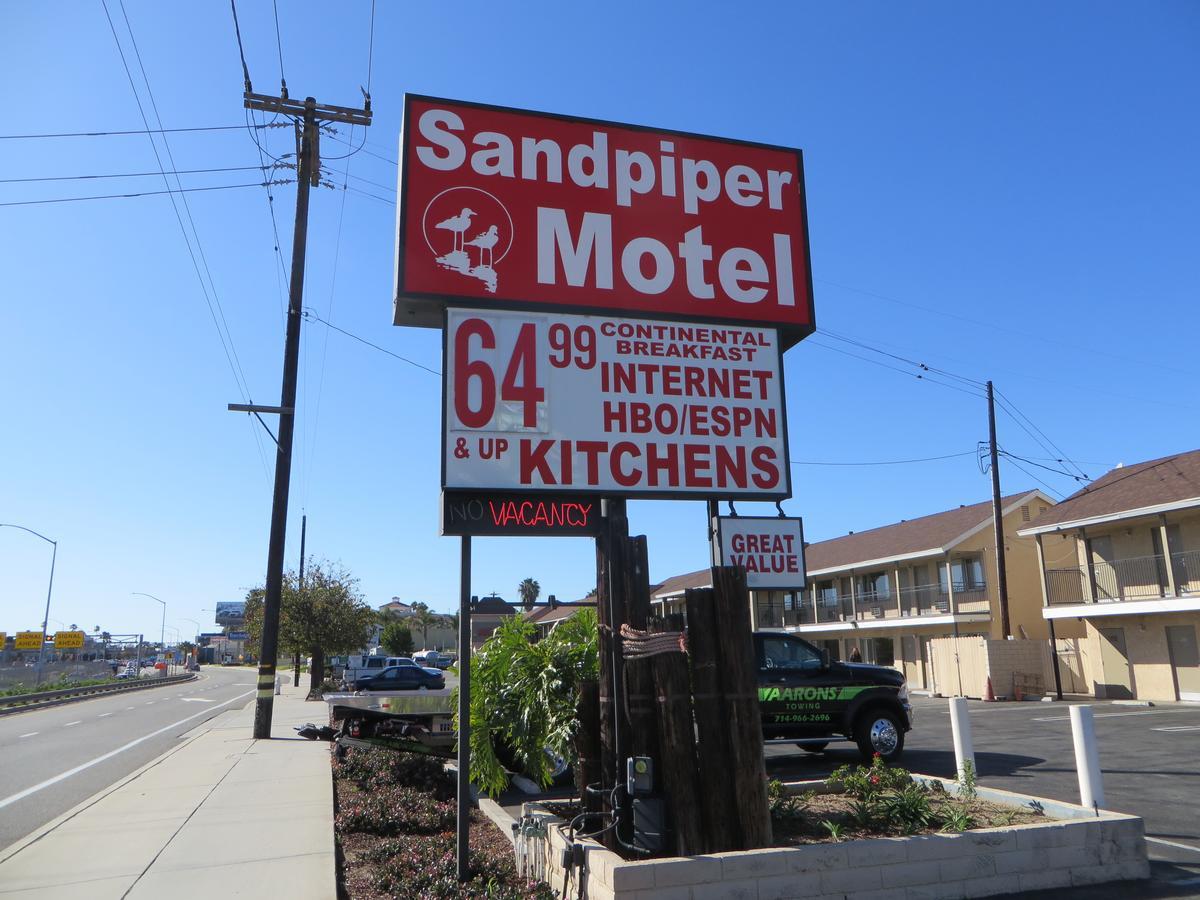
x: 890, y: 590
x: 1122, y: 556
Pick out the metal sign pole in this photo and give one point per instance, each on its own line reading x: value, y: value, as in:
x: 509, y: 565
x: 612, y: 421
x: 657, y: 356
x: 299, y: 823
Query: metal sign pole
x: 463, y: 829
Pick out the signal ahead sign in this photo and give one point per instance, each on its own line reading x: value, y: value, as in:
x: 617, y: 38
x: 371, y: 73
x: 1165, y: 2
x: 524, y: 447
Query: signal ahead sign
x: 68, y: 640
x: 27, y: 640
x: 530, y: 208
x: 567, y: 403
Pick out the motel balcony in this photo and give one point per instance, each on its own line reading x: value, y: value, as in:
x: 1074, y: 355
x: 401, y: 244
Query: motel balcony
x: 830, y: 609
x: 1140, y: 578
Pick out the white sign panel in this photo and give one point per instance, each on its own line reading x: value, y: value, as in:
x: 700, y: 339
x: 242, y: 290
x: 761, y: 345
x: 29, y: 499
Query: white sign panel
x: 560, y: 402
x: 770, y: 549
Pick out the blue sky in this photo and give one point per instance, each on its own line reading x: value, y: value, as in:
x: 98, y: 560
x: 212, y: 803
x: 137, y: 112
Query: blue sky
x: 1004, y: 191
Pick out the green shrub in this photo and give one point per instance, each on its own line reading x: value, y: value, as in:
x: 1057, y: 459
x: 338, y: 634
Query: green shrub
x: 425, y: 867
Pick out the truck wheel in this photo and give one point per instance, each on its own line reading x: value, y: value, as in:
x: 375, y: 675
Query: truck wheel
x: 878, y: 730
x: 813, y: 748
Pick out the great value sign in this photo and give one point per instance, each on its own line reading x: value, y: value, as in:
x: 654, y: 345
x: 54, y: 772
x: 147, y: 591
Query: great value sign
x: 528, y: 208
x: 560, y: 402
x: 771, y: 550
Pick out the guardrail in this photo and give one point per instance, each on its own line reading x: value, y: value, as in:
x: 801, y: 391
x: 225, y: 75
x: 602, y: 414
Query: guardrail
x: 40, y: 699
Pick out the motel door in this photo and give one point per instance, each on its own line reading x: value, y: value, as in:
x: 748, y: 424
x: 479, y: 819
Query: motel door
x: 1185, y: 660
x: 1114, y: 662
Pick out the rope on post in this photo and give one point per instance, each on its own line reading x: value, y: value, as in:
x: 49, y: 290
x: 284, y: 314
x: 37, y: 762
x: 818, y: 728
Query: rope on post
x: 644, y: 644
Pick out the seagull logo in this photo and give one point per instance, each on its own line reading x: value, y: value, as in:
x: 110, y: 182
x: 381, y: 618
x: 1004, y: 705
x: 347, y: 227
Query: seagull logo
x: 465, y: 211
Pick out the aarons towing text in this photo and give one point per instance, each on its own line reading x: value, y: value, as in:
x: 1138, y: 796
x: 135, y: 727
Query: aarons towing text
x: 510, y: 205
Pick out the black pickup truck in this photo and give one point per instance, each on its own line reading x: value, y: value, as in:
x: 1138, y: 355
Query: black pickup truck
x: 806, y: 698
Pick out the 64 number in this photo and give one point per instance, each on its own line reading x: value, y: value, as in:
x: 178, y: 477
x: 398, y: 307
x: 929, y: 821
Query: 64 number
x: 522, y: 366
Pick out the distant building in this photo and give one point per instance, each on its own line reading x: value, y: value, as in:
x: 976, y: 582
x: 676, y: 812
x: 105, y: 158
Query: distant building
x: 547, y: 618
x: 398, y: 609
x: 1123, y: 556
x: 486, y: 616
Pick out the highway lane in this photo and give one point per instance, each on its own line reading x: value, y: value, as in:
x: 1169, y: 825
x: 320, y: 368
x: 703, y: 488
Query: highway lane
x: 47, y: 745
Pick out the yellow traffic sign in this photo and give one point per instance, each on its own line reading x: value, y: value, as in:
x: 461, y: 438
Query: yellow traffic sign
x: 28, y: 640
x: 68, y: 640
x: 3, y: 639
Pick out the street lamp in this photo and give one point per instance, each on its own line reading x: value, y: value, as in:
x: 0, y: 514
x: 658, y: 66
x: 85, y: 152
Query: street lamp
x: 46, y: 618
x: 162, y: 638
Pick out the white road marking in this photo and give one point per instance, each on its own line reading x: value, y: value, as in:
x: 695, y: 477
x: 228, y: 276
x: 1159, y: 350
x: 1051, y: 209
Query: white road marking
x: 1151, y: 712
x: 76, y: 722
x: 62, y: 776
x: 196, y: 700
x: 31, y: 734
x: 1174, y: 844
x: 131, y: 707
x: 1177, y: 728
x: 102, y: 715
x: 149, y: 702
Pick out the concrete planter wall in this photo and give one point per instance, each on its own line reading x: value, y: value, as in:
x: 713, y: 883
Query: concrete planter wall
x: 1075, y: 846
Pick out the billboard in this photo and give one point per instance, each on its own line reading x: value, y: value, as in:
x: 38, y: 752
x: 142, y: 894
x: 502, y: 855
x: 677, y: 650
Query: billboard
x: 68, y: 640
x: 598, y: 404
x: 499, y: 513
x: 770, y: 549
x: 231, y: 613
x: 517, y: 207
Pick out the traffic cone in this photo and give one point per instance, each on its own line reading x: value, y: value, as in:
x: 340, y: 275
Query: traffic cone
x: 989, y: 695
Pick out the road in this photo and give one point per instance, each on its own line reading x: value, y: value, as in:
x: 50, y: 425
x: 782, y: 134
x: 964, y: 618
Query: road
x: 56, y: 757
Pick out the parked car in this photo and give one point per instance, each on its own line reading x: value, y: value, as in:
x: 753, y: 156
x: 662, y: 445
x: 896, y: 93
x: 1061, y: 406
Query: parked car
x: 401, y: 678
x: 359, y: 666
x: 805, y: 697
x: 433, y: 659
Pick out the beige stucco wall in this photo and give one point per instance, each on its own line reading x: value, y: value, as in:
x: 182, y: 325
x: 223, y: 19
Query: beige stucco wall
x: 1146, y: 643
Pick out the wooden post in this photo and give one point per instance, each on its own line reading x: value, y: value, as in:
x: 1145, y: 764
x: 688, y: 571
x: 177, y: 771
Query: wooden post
x: 718, y: 800
x: 639, y: 679
x: 680, y: 779
x: 738, y: 675
x: 610, y: 546
x: 587, y: 742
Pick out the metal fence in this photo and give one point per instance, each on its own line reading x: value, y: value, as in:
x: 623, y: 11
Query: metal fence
x: 1119, y: 580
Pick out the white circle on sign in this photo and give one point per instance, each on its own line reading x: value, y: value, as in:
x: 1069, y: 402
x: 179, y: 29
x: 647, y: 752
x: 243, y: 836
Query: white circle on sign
x: 465, y: 205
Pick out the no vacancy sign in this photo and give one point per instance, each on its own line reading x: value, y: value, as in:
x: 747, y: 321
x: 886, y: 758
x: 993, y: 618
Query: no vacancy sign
x: 514, y: 207
x: 603, y: 404
x: 771, y: 550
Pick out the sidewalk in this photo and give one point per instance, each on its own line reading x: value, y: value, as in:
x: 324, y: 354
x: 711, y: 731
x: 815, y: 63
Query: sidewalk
x: 219, y: 815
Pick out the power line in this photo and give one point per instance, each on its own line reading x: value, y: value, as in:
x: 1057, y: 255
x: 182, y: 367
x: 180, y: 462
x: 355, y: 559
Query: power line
x: 1007, y: 402
x: 912, y: 362
x: 279, y: 45
x: 172, y: 191
x: 222, y: 333
x: 361, y: 148
x: 309, y: 314
x: 1070, y: 475
x: 363, y: 193
x: 1044, y: 484
x: 917, y: 375
x: 76, y: 134
x: 132, y: 174
x: 886, y: 462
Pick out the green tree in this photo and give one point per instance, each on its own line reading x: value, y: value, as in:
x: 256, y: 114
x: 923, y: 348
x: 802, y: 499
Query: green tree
x: 329, y: 617
x: 397, y: 640
x: 529, y: 590
x: 422, y: 618
x: 523, y: 694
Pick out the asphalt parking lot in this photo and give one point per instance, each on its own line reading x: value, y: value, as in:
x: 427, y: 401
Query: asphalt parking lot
x: 1148, y: 756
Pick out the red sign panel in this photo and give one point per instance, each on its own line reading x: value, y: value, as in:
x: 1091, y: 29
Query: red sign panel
x: 524, y: 208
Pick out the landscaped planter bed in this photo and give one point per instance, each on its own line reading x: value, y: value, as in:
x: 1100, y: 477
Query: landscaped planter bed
x: 395, y: 820
x: 1065, y: 845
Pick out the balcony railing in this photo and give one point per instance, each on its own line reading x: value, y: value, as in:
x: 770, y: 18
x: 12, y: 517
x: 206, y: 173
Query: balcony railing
x: 921, y: 600
x: 1122, y: 580
x: 773, y: 614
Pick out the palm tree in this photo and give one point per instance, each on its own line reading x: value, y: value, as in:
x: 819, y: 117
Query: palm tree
x: 529, y: 590
x: 422, y: 618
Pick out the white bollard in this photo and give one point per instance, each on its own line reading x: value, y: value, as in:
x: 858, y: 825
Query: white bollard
x: 277, y: 686
x: 1087, y: 758
x: 964, y: 747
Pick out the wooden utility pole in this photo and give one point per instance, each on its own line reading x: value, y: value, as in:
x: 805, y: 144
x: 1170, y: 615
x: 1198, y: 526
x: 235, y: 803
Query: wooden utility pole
x: 300, y: 592
x: 308, y: 115
x: 998, y: 517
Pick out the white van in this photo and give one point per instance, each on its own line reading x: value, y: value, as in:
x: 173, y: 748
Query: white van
x: 359, y: 666
x: 433, y: 659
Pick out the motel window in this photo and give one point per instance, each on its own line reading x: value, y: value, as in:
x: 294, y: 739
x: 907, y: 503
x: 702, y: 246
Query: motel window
x: 876, y: 584
x: 968, y: 574
x: 827, y: 593
x: 883, y: 651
